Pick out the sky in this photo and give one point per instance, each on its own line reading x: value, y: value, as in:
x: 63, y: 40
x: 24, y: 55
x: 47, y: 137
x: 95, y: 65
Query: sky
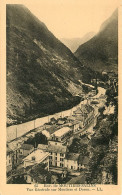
x: 72, y: 18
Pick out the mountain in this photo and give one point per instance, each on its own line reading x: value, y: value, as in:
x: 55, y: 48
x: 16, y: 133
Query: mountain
x: 101, y: 52
x: 42, y: 73
x: 74, y: 43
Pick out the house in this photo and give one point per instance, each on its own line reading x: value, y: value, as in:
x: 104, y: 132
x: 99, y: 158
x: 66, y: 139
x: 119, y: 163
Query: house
x: 46, y: 133
x: 15, y: 147
x: 57, y: 155
x: 36, y: 157
x: 9, y: 160
x: 26, y: 149
x: 61, y: 135
x: 71, y: 161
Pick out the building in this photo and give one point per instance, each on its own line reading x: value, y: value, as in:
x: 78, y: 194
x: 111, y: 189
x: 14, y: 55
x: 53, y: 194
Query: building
x: 37, y: 157
x: 57, y: 154
x: 46, y: 133
x: 71, y: 161
x: 85, y: 114
x: 15, y: 147
x: 61, y: 135
x: 9, y: 160
x: 25, y: 150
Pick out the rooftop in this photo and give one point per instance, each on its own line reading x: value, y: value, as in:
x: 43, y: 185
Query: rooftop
x: 37, y: 156
x: 14, y: 145
x: 42, y: 146
x: 62, y: 131
x: 46, y: 133
x: 27, y: 146
x: 52, y: 129
x: 72, y: 156
x: 57, y: 149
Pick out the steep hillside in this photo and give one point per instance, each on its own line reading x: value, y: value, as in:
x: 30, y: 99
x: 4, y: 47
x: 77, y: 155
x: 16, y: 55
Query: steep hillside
x: 74, y: 43
x: 101, y: 52
x: 39, y: 69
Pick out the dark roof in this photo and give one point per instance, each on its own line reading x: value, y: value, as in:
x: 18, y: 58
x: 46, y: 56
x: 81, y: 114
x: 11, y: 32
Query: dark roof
x: 27, y: 146
x: 52, y: 129
x: 57, y: 149
x: 72, y: 156
x: 77, y: 180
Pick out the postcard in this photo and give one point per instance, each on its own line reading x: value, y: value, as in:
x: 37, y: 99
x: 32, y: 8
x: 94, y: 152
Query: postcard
x: 60, y: 97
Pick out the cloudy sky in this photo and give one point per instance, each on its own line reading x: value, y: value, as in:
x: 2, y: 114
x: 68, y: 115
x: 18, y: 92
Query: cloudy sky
x: 72, y: 18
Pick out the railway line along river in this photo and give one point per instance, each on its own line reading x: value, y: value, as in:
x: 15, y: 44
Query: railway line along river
x: 15, y: 131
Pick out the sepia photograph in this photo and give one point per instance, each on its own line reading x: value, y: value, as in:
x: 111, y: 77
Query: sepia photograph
x: 62, y: 92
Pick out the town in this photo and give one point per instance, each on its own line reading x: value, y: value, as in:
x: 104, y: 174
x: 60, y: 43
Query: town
x: 59, y: 151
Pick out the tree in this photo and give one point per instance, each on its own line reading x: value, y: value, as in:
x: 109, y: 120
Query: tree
x: 38, y: 139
